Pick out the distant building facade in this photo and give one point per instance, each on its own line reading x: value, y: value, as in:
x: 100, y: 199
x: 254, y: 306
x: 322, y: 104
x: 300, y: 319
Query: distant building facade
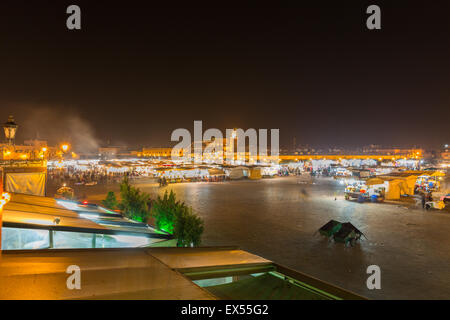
x: 111, y: 152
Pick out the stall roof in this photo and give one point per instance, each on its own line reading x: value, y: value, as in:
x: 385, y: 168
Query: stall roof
x: 438, y: 174
x: 156, y: 273
x: 215, y: 171
x: 407, y: 174
x: 399, y: 175
x: 33, y: 212
x: 106, y: 274
x: 374, y: 181
x: 181, y: 258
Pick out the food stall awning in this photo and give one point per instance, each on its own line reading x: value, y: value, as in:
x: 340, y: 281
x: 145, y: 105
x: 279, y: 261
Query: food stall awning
x: 216, y: 172
x: 32, y: 212
x: 374, y: 181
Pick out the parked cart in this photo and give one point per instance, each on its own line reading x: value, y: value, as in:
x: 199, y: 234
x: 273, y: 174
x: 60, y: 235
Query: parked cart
x: 341, y: 232
x: 348, y: 234
x: 438, y: 205
x: 330, y: 228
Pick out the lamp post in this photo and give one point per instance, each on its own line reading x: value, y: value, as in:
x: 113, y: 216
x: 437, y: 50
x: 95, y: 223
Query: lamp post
x: 10, y: 128
x: 65, y: 147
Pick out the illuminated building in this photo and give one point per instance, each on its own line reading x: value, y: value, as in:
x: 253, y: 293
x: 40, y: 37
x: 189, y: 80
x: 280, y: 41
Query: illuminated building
x: 157, y: 152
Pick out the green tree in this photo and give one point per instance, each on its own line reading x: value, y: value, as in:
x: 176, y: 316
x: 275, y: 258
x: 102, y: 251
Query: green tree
x: 134, y: 204
x: 188, y: 228
x: 111, y: 201
x: 177, y: 218
x: 164, y: 210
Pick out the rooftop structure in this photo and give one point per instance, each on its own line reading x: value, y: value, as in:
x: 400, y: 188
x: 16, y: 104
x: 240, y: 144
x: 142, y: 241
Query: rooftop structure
x: 157, y: 273
x: 32, y: 222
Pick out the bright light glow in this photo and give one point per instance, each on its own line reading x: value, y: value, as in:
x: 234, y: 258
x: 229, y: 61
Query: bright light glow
x: 39, y: 222
x: 65, y: 147
x: 131, y: 241
x: 44, y: 149
x: 89, y: 216
x: 4, y: 200
x: 69, y: 205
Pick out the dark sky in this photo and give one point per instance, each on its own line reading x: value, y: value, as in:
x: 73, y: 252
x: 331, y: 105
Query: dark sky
x: 136, y: 71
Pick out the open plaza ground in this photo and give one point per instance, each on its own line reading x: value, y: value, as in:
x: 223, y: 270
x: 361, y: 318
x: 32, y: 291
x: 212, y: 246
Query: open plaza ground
x: 278, y: 218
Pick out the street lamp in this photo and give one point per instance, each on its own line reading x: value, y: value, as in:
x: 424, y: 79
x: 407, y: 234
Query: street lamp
x: 10, y: 128
x: 64, y: 148
x: 42, y: 153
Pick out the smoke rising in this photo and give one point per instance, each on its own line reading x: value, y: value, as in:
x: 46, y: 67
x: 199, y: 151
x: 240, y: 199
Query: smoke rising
x: 57, y: 125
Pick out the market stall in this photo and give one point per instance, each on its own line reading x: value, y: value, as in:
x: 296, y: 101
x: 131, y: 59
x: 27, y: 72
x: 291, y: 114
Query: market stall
x: 373, y: 190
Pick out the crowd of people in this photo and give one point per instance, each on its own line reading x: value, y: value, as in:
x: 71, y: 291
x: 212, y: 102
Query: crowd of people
x: 163, y: 181
x: 71, y: 175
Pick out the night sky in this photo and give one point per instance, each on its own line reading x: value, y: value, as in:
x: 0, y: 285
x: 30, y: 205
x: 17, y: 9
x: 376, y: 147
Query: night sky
x: 137, y: 70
